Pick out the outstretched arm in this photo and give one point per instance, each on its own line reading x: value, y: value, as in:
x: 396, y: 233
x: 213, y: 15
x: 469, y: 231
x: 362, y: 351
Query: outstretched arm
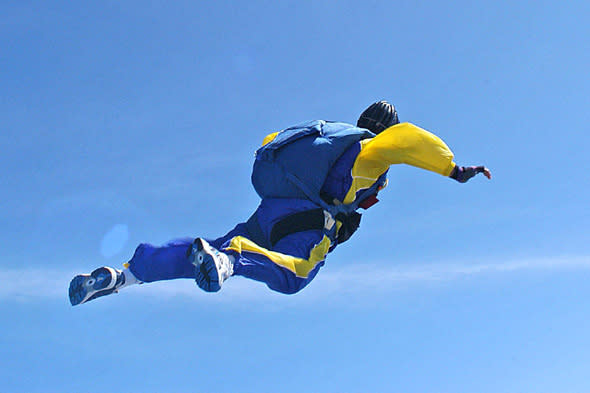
x: 406, y: 143
x: 464, y: 173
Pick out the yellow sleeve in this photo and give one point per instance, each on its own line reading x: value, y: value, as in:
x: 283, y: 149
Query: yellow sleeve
x: 405, y: 143
x: 269, y: 138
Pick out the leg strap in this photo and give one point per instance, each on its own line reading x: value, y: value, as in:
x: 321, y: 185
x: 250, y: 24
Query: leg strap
x: 314, y: 219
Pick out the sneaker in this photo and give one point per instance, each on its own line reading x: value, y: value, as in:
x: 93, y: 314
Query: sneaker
x: 103, y: 281
x: 212, y: 267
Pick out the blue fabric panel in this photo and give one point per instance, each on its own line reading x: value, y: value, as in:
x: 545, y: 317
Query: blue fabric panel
x: 151, y: 263
x: 339, y: 179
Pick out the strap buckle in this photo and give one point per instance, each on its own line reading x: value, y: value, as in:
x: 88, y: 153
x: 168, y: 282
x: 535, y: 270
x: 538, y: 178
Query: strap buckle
x: 329, y: 221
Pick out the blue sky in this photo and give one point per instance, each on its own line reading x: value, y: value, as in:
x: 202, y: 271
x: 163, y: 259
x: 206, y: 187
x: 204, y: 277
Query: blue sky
x: 129, y: 122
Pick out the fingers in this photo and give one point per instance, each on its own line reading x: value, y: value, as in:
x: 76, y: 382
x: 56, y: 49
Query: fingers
x: 484, y: 170
x: 463, y: 174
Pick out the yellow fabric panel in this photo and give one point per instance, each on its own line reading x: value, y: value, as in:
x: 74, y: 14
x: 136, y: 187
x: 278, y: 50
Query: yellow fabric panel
x: 269, y: 138
x: 402, y: 143
x: 406, y: 143
x: 301, y: 267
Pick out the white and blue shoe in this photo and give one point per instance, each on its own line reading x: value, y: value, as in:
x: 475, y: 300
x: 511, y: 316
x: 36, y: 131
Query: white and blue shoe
x: 101, y: 282
x: 212, y: 267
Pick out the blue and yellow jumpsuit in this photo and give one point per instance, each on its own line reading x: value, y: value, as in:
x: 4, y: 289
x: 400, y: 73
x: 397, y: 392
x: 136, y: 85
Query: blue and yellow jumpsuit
x: 291, y: 263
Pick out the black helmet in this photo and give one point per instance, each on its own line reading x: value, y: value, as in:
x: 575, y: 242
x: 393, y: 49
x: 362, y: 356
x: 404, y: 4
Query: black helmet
x: 378, y: 116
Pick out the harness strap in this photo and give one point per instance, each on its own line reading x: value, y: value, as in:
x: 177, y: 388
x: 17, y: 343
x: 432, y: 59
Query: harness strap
x: 255, y: 232
x: 297, y: 222
x: 308, y: 220
x: 317, y: 219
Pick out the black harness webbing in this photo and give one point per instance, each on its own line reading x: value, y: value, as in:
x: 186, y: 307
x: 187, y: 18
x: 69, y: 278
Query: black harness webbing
x: 297, y: 222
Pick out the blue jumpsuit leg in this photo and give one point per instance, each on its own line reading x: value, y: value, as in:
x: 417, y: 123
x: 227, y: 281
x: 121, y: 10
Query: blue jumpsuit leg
x: 278, y: 278
x: 170, y: 261
x: 258, y: 267
x: 151, y: 263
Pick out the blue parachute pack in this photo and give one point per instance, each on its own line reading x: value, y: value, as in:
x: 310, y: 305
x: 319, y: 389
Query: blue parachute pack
x: 296, y: 163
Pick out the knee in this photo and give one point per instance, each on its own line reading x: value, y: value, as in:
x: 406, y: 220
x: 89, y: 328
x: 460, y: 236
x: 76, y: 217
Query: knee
x: 287, y: 291
x: 290, y: 286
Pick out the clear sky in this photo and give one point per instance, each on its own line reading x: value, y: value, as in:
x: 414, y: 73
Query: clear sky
x: 129, y: 121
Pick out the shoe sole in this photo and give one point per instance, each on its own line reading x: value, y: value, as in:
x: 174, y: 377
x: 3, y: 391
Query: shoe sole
x: 206, y: 273
x: 86, y: 287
